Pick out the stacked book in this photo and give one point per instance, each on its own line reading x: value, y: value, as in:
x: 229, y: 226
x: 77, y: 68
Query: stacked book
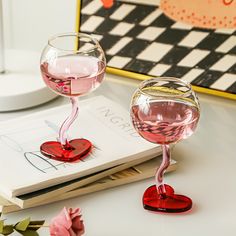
x: 119, y: 155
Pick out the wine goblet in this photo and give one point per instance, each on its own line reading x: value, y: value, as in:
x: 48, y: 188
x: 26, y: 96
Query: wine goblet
x: 164, y: 111
x: 72, y: 65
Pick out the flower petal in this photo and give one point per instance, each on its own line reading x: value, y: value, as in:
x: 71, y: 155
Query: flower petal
x: 58, y: 230
x: 63, y: 219
x: 77, y: 224
x: 74, y: 212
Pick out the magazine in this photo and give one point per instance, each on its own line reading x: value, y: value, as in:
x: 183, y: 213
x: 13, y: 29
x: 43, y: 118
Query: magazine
x: 53, y: 192
x: 23, y: 169
x: 132, y: 174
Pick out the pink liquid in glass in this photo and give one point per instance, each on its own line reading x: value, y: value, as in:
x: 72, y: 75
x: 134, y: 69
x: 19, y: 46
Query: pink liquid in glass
x: 165, y: 122
x: 73, y: 75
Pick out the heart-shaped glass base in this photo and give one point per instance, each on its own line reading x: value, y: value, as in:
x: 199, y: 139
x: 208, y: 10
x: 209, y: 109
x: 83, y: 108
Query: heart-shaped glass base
x: 165, y: 200
x: 77, y: 149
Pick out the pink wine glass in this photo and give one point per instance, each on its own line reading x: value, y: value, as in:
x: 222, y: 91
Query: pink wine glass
x: 72, y: 65
x: 165, y: 111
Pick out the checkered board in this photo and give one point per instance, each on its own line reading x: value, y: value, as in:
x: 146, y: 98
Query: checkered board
x: 141, y: 39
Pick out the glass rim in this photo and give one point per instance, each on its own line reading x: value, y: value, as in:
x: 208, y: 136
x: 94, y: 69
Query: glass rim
x: 166, y: 78
x: 74, y: 34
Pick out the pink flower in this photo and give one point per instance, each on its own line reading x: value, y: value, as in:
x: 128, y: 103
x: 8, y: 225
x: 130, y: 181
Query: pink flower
x: 67, y: 223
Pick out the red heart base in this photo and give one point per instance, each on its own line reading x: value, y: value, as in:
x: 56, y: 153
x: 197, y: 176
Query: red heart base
x: 76, y: 149
x: 165, y: 200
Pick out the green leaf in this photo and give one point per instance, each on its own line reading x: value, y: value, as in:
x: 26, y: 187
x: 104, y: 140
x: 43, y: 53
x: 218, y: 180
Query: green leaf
x: 22, y: 225
x: 35, y: 225
x: 28, y: 232
x: 1, y: 226
x: 8, y: 229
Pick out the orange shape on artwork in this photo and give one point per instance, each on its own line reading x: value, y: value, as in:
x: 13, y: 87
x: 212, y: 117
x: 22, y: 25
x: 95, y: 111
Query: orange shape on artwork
x: 202, y: 13
x: 107, y: 3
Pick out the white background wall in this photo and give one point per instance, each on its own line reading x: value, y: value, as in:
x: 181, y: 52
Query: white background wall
x: 29, y: 23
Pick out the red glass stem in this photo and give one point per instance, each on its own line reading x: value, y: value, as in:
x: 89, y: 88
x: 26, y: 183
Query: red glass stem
x: 68, y: 122
x: 161, y: 170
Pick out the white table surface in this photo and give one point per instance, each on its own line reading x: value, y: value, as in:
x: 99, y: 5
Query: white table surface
x: 206, y: 173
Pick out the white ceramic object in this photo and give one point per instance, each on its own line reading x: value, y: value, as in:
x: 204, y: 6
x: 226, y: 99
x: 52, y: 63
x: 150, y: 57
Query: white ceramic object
x: 21, y: 86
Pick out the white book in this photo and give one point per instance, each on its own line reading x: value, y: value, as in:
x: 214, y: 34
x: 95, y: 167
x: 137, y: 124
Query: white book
x: 128, y: 175
x: 23, y: 169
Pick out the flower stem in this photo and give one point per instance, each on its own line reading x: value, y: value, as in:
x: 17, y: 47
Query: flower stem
x: 38, y: 226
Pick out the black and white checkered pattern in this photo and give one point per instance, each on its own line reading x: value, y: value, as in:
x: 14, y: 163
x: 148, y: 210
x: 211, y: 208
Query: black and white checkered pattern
x: 141, y: 39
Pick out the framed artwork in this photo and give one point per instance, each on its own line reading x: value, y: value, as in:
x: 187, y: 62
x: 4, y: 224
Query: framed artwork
x: 141, y: 40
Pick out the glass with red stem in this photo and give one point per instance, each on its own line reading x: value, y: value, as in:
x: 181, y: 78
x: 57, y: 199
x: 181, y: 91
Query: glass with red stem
x: 72, y: 65
x: 164, y: 111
